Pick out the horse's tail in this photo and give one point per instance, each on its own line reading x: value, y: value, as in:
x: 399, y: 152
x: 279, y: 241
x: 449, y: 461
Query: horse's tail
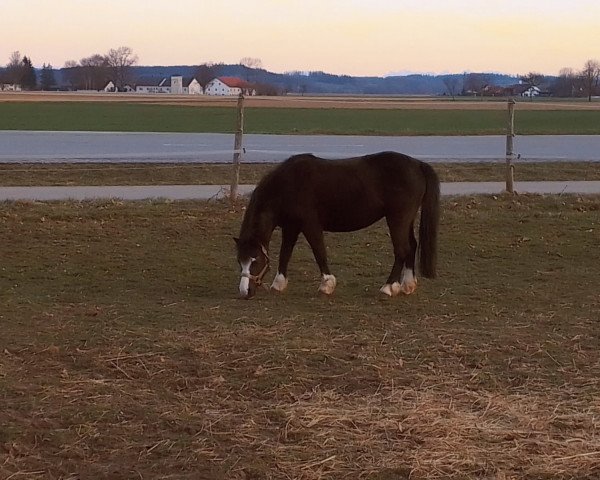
x: 428, y: 228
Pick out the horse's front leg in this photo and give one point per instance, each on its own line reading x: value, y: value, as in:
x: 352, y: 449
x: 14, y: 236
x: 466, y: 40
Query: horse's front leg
x: 317, y: 243
x: 289, y: 236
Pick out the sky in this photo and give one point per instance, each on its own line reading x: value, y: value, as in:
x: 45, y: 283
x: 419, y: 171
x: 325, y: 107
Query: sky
x: 353, y: 37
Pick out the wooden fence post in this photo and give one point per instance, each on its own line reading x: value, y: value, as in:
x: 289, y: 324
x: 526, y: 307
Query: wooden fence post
x: 510, y: 154
x: 237, y: 149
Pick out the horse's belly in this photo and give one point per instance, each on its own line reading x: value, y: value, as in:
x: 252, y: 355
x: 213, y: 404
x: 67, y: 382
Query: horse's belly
x: 349, y: 207
x: 349, y: 220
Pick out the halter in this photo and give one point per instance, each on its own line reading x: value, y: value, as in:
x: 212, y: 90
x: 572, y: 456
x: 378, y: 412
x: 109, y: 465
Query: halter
x: 259, y: 277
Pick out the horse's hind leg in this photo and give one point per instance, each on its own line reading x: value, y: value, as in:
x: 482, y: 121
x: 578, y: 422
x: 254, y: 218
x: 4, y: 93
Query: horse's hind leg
x: 401, y: 278
x: 316, y: 241
x: 289, y: 236
x: 408, y: 282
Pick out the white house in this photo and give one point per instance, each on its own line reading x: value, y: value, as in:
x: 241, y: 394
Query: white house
x: 521, y: 90
x: 228, y: 86
x: 191, y: 86
x: 176, y: 85
x: 10, y: 87
x: 153, y: 86
x: 531, y: 91
x: 110, y: 87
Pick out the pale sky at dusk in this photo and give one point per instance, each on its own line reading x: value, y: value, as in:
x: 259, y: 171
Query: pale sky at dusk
x: 355, y: 37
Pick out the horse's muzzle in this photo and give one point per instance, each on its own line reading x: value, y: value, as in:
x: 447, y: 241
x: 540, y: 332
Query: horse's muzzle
x: 247, y: 287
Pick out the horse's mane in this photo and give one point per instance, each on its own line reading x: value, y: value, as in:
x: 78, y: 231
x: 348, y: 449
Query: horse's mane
x: 264, y: 200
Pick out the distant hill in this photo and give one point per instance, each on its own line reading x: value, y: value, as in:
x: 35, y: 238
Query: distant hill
x: 320, y: 82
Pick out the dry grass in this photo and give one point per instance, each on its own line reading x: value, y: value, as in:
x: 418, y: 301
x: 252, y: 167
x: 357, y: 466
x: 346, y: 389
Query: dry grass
x: 125, y: 353
x: 220, y: 174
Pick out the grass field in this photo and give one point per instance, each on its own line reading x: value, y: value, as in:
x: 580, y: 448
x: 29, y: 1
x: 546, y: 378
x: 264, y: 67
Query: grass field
x: 125, y: 353
x: 435, y: 120
x: 220, y: 174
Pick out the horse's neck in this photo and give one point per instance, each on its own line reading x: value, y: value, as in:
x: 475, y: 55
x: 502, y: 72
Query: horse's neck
x: 258, y: 225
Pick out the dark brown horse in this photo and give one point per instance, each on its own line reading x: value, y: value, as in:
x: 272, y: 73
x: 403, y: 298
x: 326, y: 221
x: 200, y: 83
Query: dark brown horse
x: 310, y: 195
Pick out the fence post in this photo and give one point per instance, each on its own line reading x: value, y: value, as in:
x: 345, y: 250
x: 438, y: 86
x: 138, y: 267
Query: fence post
x: 510, y: 134
x: 237, y: 148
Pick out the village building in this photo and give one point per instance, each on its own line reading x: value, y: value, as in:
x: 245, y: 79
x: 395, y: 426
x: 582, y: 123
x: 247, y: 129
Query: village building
x: 10, y: 87
x: 176, y: 85
x: 517, y: 90
x: 522, y: 90
x: 226, y: 86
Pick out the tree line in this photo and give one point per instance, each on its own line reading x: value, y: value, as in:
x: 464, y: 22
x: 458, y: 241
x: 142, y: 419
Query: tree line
x: 94, y: 72
x: 19, y: 71
x: 89, y: 73
x: 568, y: 83
x: 117, y: 65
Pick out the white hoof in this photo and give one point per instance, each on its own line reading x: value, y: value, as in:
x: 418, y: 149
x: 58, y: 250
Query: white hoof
x: 280, y: 283
x: 328, y: 283
x: 409, y: 282
x: 391, y: 290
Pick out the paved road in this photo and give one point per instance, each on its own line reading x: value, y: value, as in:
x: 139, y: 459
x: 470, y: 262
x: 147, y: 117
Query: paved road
x: 17, y: 146
x: 204, y: 192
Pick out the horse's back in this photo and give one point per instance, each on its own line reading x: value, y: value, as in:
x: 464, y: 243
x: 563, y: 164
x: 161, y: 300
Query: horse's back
x: 346, y: 194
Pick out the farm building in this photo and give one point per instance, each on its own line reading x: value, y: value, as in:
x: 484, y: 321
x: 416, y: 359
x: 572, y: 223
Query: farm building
x: 522, y: 90
x: 10, y: 87
x: 228, y: 86
x: 176, y: 85
x: 518, y: 90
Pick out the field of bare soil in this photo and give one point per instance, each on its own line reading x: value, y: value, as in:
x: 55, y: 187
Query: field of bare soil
x: 352, y: 102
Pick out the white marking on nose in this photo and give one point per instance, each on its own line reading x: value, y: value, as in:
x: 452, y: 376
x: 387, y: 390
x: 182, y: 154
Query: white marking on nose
x: 245, y: 281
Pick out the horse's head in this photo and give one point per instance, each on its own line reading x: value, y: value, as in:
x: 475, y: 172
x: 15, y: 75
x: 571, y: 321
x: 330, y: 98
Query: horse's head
x: 254, y: 262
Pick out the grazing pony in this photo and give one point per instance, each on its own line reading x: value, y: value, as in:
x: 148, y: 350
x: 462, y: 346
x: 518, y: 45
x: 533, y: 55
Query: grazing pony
x: 311, y: 195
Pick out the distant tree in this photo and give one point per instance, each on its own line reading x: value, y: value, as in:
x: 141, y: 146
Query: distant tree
x: 474, y: 83
x: 90, y: 73
x: 589, y: 77
x: 250, y: 66
x: 266, y: 89
x: 120, y: 61
x: 533, y: 78
x: 206, y: 72
x: 453, y: 84
x: 47, y: 79
x: 565, y: 85
x: 14, y: 69
x: 251, y: 62
x: 93, y: 72
x: 71, y: 74
x: 28, y: 77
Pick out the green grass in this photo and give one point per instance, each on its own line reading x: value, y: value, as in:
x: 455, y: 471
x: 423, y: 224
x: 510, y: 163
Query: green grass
x: 114, y: 117
x: 125, y: 352
x: 80, y: 116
